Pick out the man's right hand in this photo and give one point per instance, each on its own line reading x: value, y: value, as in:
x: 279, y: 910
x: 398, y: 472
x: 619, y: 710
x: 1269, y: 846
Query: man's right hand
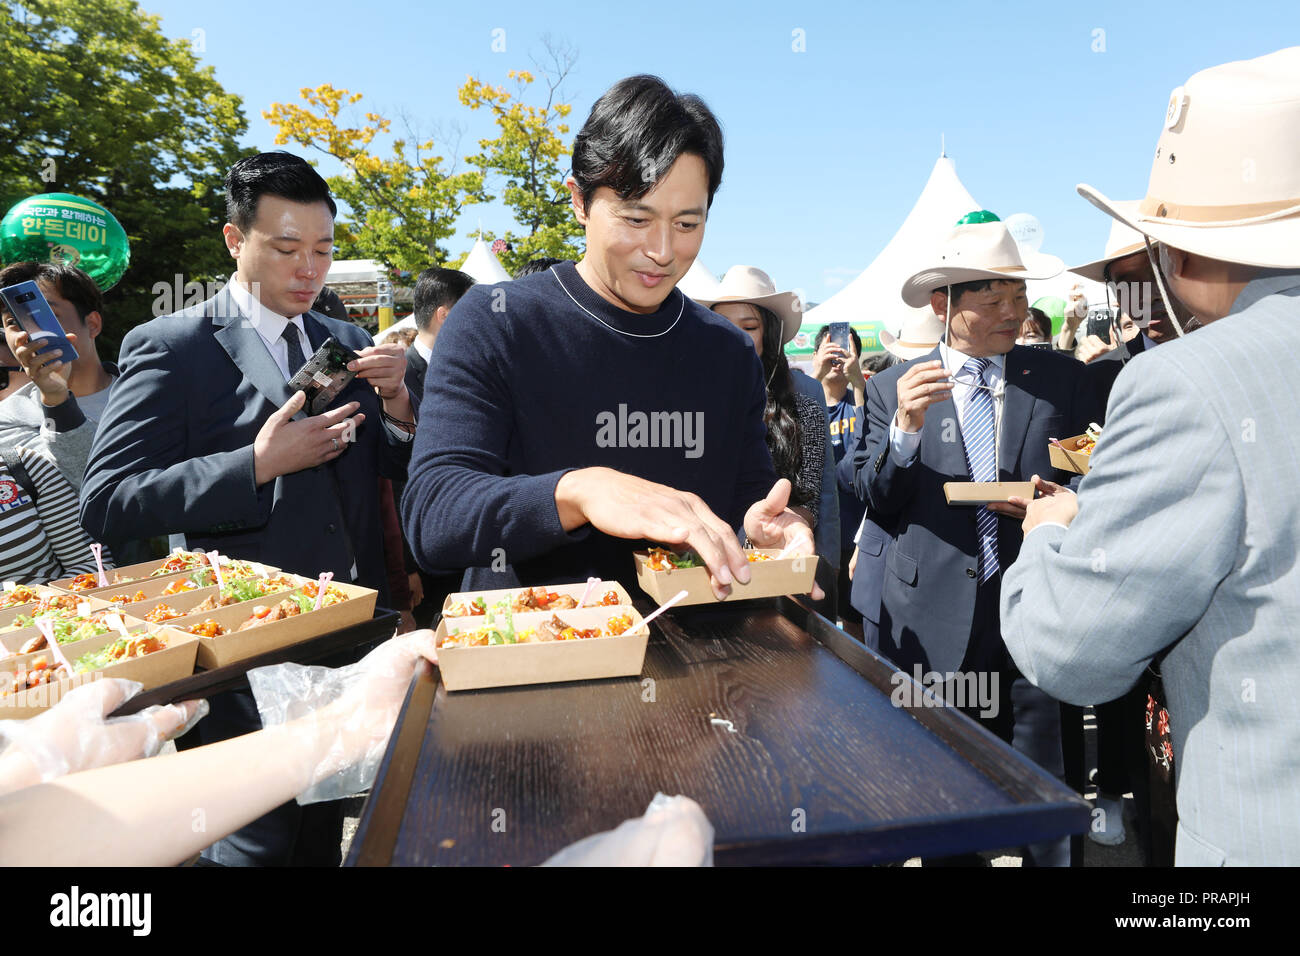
x: 47, y: 369
x: 625, y: 506
x: 920, y: 387
x: 828, y: 358
x: 284, y: 446
x: 1094, y: 347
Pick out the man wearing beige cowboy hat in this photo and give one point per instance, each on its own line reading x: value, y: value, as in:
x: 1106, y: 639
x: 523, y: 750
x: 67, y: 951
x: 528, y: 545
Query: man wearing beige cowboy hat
x: 977, y: 407
x: 1195, y: 478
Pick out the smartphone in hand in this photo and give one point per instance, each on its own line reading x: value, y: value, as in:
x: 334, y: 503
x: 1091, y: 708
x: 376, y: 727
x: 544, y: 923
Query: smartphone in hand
x: 32, y: 310
x: 324, y: 375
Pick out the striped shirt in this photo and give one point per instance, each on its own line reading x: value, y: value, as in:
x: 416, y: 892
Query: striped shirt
x: 40, y: 540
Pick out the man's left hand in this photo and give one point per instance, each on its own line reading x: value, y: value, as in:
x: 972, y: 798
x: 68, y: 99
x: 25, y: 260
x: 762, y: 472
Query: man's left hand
x: 1055, y: 505
x: 770, y: 524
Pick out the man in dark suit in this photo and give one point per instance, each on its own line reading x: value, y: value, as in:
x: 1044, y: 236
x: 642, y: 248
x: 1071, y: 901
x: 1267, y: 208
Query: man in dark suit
x: 202, y: 437
x: 977, y: 408
x: 436, y: 291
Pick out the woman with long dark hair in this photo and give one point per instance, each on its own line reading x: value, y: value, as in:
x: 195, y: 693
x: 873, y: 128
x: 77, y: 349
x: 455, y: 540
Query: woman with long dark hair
x: 796, y: 432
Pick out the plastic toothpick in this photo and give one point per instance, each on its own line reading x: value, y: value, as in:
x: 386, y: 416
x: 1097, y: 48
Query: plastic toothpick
x: 663, y: 607
x: 325, y: 578
x: 98, y: 551
x: 215, y: 560
x: 115, y: 621
x: 591, y: 583
x: 46, y: 627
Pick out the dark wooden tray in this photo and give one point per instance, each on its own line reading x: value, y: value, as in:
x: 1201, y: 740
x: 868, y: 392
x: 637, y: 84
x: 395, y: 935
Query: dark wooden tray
x: 509, y: 776
x: 205, y: 683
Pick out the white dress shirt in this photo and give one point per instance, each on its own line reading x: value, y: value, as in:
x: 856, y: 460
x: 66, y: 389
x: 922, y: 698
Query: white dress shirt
x: 904, y: 446
x: 424, y: 351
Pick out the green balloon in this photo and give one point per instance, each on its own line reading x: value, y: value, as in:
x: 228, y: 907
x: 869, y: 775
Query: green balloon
x: 1054, y: 308
x: 978, y: 216
x: 58, y: 227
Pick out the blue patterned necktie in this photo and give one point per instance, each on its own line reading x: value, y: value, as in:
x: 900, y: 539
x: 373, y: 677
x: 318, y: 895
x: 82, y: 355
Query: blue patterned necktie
x: 980, y: 439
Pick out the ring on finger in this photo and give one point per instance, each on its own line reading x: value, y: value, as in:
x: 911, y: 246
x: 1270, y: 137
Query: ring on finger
x: 335, y: 443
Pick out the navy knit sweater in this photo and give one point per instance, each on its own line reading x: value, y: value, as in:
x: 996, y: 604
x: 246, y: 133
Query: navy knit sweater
x: 534, y: 378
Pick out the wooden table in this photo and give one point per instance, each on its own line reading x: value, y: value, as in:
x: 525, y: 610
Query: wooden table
x: 817, y: 766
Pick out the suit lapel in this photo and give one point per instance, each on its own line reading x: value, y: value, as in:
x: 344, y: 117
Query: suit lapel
x: 316, y: 331
x: 941, y: 444
x: 247, y: 350
x: 1017, y: 409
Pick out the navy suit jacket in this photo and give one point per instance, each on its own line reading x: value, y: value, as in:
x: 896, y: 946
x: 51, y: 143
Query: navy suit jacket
x: 928, y: 588
x: 174, y: 451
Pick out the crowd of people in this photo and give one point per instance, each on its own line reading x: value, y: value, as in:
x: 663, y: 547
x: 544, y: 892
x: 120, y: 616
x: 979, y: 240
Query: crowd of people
x: 467, y: 458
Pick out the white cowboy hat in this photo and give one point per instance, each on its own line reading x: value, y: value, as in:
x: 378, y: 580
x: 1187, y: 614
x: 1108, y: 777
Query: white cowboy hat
x: 922, y: 330
x: 1225, y: 183
x: 752, y: 285
x: 1122, y: 241
x: 980, y: 247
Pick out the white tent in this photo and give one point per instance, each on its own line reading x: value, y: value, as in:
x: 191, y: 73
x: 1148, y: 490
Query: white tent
x: 355, y: 270
x: 875, y: 295
x: 483, y: 265
x: 699, y: 282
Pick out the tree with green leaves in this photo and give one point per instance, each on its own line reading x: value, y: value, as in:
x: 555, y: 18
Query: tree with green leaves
x: 403, y: 207
x: 99, y: 102
x: 529, y: 154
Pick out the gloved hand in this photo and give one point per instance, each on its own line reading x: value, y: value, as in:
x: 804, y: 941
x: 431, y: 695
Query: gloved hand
x: 75, y: 735
x: 342, y: 717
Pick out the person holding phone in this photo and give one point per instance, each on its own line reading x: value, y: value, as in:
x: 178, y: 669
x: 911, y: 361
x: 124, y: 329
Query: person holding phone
x: 203, y: 438
x: 57, y: 412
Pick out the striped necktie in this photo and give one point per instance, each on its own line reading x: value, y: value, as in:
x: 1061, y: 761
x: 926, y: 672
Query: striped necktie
x: 980, y: 439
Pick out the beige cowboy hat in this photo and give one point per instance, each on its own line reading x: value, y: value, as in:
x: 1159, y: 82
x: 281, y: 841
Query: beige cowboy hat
x: 753, y: 285
x: 1122, y: 241
x: 1225, y: 183
x: 979, y: 247
x: 922, y: 330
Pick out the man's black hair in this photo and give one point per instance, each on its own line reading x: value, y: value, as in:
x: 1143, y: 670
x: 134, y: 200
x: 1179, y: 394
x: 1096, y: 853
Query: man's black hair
x: 435, y: 288
x: 70, y: 282
x: 537, y: 265
x: 879, y: 362
x: 978, y: 285
x: 277, y: 174
x: 825, y: 331
x: 635, y: 133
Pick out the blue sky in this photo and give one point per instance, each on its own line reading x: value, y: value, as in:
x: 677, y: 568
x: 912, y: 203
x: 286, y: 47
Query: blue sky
x: 827, y: 147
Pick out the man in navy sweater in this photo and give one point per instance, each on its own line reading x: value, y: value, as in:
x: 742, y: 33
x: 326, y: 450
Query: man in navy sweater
x: 587, y: 409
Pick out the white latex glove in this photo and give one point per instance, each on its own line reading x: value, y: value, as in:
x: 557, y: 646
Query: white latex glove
x: 74, y: 735
x: 673, y: 832
x: 342, y: 716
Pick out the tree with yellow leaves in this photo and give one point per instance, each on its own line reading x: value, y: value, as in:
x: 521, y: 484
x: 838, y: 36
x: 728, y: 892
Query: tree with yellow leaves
x: 529, y: 155
x: 402, y: 207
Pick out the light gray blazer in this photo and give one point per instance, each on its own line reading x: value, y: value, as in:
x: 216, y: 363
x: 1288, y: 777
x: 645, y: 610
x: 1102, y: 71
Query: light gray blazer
x: 1187, y: 542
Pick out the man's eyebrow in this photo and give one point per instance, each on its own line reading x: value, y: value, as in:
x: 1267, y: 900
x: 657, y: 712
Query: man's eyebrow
x: 299, y: 239
x: 634, y: 206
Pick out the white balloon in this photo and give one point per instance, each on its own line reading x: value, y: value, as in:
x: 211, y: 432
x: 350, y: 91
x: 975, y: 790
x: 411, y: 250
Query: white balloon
x: 1026, y: 230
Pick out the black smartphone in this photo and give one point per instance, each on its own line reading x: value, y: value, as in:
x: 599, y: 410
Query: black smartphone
x: 324, y: 375
x: 1099, y: 322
